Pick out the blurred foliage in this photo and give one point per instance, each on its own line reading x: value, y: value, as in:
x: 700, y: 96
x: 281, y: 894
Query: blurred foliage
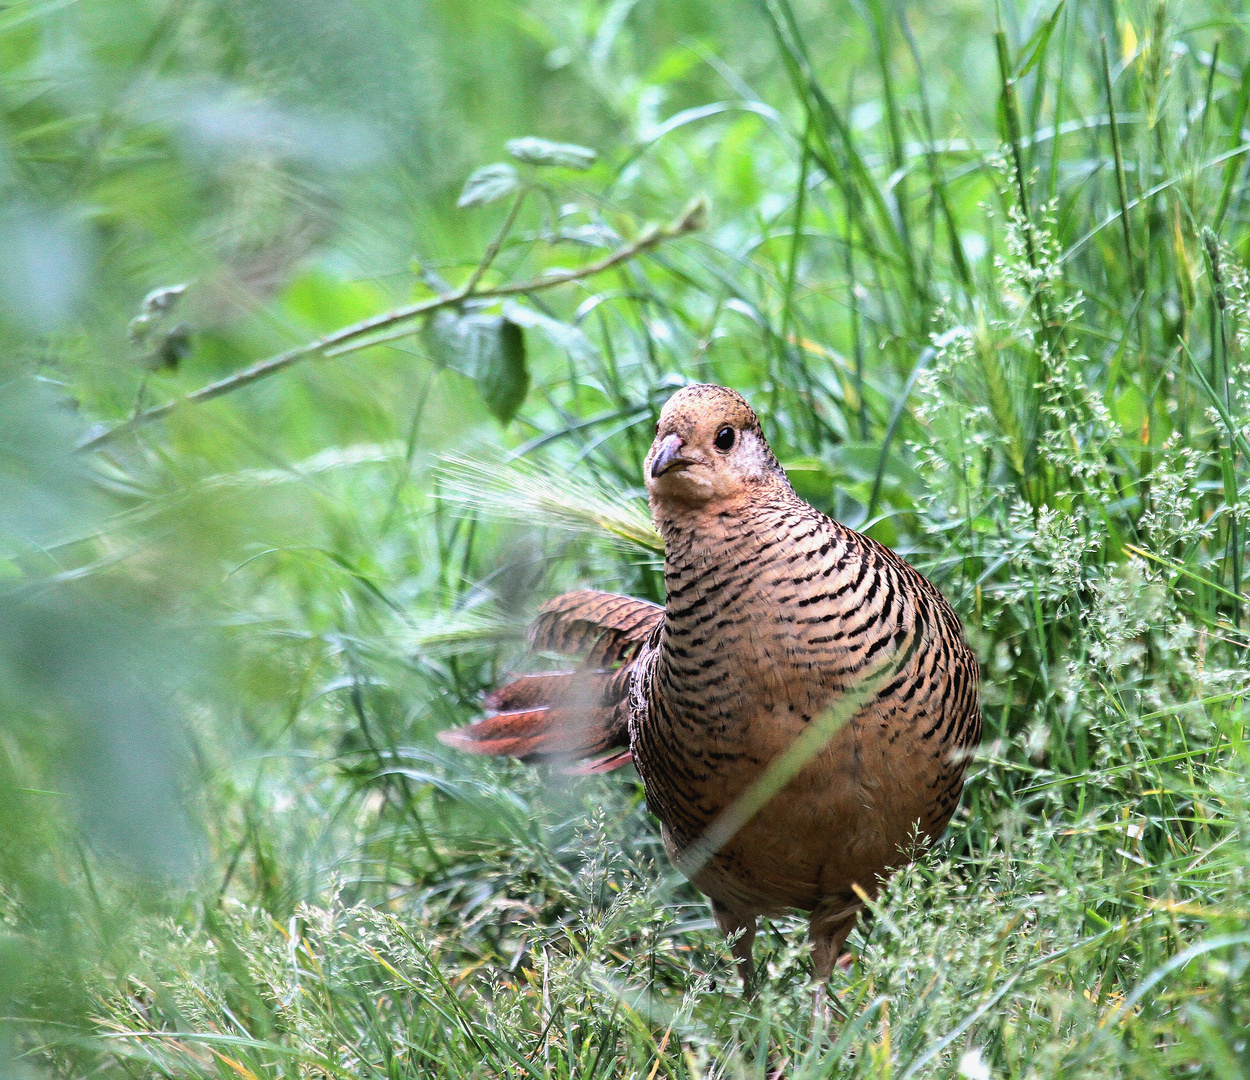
x: 985, y: 282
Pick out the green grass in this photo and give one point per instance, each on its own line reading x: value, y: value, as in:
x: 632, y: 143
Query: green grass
x: 983, y: 280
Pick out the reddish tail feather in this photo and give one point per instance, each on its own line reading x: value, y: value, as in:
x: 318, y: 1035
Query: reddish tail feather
x: 579, y: 717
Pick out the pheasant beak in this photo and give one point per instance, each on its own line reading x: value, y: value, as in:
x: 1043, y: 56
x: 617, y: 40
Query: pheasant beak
x: 667, y: 456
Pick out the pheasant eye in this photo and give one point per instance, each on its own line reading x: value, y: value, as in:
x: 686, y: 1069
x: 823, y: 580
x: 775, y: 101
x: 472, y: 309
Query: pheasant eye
x: 724, y: 439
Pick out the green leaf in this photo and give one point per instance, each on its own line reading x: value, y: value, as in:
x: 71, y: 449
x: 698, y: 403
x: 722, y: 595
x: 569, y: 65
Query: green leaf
x: 1035, y: 48
x: 568, y: 338
x: 489, y: 349
x: 489, y: 183
x: 1131, y: 410
x: 323, y: 301
x: 811, y: 478
x: 541, y: 152
x: 504, y: 379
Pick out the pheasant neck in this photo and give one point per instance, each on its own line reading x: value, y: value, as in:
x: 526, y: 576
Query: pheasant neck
x: 725, y: 544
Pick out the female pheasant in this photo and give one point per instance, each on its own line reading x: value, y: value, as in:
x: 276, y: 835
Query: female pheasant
x: 776, y: 618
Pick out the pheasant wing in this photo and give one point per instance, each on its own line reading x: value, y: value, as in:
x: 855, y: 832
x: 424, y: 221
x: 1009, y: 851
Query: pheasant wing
x: 577, y: 716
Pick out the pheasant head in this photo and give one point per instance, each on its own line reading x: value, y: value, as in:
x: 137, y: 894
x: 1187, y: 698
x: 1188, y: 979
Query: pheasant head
x: 708, y: 450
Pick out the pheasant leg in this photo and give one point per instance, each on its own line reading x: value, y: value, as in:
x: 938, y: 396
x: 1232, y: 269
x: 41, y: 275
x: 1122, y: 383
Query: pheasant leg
x: 828, y: 928
x: 730, y: 923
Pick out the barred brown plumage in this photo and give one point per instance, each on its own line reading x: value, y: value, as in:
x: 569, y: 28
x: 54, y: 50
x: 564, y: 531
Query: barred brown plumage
x: 775, y: 616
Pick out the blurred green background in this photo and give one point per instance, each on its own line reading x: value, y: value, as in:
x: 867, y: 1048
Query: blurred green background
x: 979, y: 268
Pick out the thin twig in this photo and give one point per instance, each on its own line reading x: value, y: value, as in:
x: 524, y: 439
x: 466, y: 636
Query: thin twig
x: 364, y: 334
x: 493, y: 249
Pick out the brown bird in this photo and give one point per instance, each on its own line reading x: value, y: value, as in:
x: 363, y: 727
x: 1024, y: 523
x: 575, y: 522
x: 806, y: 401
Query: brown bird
x: 778, y: 622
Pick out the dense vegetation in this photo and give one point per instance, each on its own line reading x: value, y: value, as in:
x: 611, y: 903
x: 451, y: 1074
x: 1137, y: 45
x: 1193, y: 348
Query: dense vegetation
x: 984, y: 277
